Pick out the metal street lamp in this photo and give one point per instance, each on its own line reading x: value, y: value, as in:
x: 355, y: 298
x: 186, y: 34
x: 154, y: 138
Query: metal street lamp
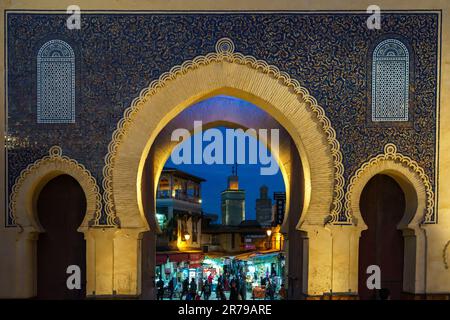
x: 269, y: 233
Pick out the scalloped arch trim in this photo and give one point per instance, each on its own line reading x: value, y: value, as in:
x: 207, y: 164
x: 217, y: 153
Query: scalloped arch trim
x: 41, y: 171
x: 313, y: 116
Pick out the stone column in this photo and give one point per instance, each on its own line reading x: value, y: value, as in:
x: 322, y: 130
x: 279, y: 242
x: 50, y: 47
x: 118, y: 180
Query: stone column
x: 318, y: 260
x: 113, y: 262
x: 18, y: 263
x: 345, y: 246
x: 437, y: 263
x: 99, y: 261
x: 332, y: 260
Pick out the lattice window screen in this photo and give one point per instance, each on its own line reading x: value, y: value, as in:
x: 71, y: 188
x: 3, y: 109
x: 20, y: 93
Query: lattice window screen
x: 56, y: 83
x: 390, y: 81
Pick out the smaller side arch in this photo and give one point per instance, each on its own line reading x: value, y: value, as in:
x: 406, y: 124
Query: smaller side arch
x: 31, y: 180
x: 407, y: 172
x: 419, y: 209
x: 23, y: 212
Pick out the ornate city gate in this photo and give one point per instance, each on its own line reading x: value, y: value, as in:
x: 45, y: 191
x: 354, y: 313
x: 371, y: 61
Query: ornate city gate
x: 341, y: 135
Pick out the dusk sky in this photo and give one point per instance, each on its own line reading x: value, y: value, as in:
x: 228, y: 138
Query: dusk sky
x: 250, y: 179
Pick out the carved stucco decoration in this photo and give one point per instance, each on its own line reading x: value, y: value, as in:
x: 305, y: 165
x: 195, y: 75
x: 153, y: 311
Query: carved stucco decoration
x: 406, y: 164
x: 225, y: 53
x: 37, y: 174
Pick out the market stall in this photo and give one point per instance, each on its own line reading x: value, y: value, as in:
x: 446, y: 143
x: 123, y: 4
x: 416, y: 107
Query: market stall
x: 263, y: 269
x: 177, y: 267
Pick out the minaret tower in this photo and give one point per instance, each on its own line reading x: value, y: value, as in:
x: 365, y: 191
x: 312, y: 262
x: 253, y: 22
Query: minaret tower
x: 233, y: 201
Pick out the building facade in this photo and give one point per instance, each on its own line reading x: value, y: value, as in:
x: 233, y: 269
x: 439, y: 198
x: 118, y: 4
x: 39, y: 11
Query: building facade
x: 264, y: 207
x: 178, y: 211
x: 249, y: 235
x: 366, y: 110
x: 279, y: 207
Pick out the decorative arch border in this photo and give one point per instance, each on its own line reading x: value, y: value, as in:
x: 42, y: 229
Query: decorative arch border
x: 35, y: 176
x: 225, y: 53
x: 392, y: 160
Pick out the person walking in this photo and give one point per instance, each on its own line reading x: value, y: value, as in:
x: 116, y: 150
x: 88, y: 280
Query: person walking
x: 283, y: 292
x: 192, y: 289
x: 234, y: 293
x: 243, y: 288
x: 273, y: 289
x: 210, y: 279
x: 171, y: 288
x: 206, y: 290
x: 220, y: 294
x: 226, y: 284
x: 185, y: 289
x: 200, y: 283
x: 268, y: 295
x: 160, y: 288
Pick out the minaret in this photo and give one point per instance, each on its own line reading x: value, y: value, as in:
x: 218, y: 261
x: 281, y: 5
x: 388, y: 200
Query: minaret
x: 233, y: 180
x: 233, y: 201
x: 264, y: 207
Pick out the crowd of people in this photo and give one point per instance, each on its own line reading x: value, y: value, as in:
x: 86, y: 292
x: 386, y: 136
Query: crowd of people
x: 201, y: 289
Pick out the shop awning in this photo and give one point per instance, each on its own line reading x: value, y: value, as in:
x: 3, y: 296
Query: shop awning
x: 161, y: 258
x: 265, y: 257
x: 252, y: 255
x: 216, y: 255
x: 193, y: 258
x: 258, y: 256
x: 245, y: 256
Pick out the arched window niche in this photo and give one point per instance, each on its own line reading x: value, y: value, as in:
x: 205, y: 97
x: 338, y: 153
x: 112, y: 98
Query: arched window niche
x: 390, y: 81
x: 56, y: 83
